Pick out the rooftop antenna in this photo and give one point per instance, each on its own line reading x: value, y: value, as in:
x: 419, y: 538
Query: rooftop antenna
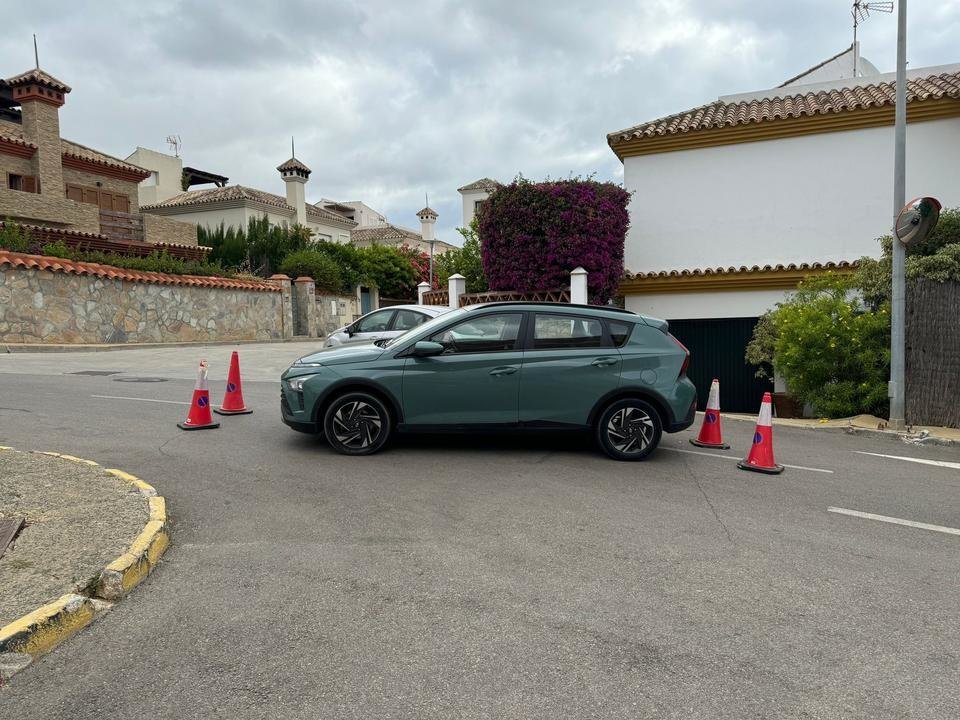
x: 861, y: 11
x: 36, y: 55
x: 174, y: 142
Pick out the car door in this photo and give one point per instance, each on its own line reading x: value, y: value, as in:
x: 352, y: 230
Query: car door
x: 371, y: 327
x: 476, y: 379
x: 406, y: 319
x: 568, y: 365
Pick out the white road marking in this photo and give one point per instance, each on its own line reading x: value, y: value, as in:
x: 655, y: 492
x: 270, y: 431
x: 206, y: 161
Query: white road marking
x: 922, y: 461
x: 119, y: 397
x: 895, y: 521
x: 731, y: 457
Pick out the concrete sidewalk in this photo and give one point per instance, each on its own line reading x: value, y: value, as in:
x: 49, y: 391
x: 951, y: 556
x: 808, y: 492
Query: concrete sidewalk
x: 863, y: 423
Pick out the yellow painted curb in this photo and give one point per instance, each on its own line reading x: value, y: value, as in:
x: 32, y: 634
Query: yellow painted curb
x: 25, y: 639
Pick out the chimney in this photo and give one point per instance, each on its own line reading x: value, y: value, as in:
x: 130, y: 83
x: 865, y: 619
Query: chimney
x: 428, y: 218
x: 40, y: 96
x: 295, y: 174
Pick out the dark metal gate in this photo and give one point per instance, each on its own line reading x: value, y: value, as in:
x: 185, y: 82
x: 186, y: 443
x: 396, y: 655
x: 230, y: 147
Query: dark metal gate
x: 717, y: 348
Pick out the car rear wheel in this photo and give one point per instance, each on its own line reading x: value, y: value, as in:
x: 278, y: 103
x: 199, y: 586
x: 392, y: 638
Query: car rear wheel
x: 629, y: 429
x: 357, y: 423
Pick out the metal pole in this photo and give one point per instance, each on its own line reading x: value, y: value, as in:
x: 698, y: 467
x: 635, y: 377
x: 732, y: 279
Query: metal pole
x: 431, y: 264
x: 897, y: 313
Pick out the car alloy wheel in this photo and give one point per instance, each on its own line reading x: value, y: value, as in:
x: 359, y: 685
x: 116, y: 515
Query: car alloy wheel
x: 357, y: 424
x: 629, y: 429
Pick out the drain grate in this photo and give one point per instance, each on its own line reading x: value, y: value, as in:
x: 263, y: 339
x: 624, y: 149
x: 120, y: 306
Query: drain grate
x: 141, y: 379
x: 95, y: 372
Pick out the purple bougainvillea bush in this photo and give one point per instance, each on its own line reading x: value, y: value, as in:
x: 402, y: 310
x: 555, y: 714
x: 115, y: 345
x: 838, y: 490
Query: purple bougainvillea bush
x: 534, y: 234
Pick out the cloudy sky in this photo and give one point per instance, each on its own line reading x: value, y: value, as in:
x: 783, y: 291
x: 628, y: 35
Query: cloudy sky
x: 390, y: 100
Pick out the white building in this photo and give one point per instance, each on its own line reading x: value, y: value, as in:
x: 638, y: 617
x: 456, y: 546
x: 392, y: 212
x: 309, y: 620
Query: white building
x: 736, y: 201
x: 234, y: 205
x: 474, y: 195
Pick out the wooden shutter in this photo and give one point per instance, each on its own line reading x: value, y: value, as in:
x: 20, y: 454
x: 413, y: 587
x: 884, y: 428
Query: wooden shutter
x: 121, y: 203
x: 75, y: 193
x: 29, y: 184
x: 90, y: 195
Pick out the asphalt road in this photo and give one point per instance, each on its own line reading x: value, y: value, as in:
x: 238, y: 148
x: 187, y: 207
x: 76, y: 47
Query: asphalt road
x: 483, y: 577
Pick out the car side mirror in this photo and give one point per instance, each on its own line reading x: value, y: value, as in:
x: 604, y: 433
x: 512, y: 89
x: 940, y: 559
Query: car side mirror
x: 425, y: 348
x: 350, y: 330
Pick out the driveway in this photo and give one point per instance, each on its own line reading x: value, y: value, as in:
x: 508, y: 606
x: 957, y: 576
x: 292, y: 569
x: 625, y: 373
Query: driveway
x: 492, y: 577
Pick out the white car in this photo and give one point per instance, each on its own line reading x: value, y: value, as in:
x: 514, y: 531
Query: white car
x: 382, y: 324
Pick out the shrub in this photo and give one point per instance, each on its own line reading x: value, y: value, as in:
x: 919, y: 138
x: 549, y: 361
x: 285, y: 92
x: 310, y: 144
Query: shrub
x: 388, y: 269
x: 14, y: 238
x: 316, y: 264
x: 533, y: 235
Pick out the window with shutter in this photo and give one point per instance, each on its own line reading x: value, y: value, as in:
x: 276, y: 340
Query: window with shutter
x: 75, y: 193
x: 30, y: 184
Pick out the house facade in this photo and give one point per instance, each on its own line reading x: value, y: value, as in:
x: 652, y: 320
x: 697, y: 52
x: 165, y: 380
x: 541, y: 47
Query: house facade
x: 50, y: 182
x: 235, y: 205
x: 473, y: 195
x: 734, y: 202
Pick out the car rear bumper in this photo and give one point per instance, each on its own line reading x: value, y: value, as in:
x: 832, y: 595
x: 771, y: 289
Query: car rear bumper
x: 687, y: 421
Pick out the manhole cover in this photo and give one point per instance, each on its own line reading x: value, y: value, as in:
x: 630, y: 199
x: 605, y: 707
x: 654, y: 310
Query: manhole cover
x: 95, y: 372
x: 140, y: 379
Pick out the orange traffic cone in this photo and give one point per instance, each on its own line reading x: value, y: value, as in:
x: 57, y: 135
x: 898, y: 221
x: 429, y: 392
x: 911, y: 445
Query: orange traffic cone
x: 199, y: 417
x: 710, y: 435
x: 760, y: 458
x: 233, y: 397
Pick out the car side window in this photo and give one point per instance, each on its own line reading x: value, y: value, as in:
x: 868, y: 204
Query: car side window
x: 375, y: 322
x: 554, y: 332
x: 620, y: 332
x: 487, y: 333
x: 408, y: 319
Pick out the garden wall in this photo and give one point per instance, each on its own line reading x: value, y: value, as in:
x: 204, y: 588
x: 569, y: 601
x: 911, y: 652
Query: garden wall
x: 51, y: 300
x: 933, y: 353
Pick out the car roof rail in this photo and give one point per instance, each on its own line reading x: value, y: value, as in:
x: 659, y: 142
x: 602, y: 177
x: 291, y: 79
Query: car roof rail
x: 505, y: 303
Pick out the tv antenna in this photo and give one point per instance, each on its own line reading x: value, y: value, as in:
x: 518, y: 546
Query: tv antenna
x: 861, y: 11
x: 175, y: 144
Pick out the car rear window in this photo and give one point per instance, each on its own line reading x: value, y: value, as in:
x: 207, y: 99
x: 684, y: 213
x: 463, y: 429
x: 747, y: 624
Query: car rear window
x: 620, y: 332
x: 566, y: 331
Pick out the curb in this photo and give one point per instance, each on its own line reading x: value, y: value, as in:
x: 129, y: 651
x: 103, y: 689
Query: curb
x: 61, y: 347
x: 915, y: 437
x: 31, y: 636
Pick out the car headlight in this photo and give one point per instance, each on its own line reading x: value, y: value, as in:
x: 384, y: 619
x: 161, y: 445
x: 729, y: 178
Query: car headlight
x: 296, y: 384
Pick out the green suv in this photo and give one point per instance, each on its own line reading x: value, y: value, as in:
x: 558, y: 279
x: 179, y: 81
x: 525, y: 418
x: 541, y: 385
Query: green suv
x: 500, y: 366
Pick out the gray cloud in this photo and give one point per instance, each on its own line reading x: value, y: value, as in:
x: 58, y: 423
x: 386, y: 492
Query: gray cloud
x: 389, y: 100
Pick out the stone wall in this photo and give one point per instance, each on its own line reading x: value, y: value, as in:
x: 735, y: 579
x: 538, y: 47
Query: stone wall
x: 44, y: 209
x: 39, y: 305
x: 15, y: 165
x: 159, y: 229
x: 73, y: 176
x: 335, y: 311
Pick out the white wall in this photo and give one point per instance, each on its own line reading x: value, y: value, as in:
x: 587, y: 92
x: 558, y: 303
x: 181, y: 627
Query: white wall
x: 169, y: 170
x: 470, y: 199
x: 211, y: 219
x: 700, y: 305
x: 803, y: 199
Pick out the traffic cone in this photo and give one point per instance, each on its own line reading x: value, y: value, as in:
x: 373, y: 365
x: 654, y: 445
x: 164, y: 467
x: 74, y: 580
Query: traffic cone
x: 233, y: 397
x: 710, y: 435
x: 199, y: 417
x: 760, y: 458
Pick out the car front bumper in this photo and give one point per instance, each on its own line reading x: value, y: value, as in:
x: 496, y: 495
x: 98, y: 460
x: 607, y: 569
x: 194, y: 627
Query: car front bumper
x: 298, y: 419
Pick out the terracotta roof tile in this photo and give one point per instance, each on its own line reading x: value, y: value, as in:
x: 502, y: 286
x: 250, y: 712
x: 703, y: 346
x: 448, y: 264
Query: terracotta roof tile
x: 36, y: 75
x: 230, y: 192
x: 72, y: 267
x: 733, y: 270
x: 294, y: 164
x: 428, y: 211
x: 321, y: 213
x: 482, y: 184
x: 721, y: 114
x: 382, y: 233
x: 12, y: 133
x: 72, y: 149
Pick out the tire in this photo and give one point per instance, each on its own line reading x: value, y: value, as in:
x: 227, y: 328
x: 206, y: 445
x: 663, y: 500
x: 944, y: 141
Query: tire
x: 357, y: 423
x: 641, y: 434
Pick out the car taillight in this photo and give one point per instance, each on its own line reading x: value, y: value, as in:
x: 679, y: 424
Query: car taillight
x: 686, y: 359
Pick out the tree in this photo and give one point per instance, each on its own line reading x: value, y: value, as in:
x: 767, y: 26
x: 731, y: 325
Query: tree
x: 533, y: 234
x: 466, y: 260
x: 388, y: 269
x: 315, y: 264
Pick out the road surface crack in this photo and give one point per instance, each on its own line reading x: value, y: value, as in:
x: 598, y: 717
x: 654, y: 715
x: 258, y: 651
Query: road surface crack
x: 706, y: 498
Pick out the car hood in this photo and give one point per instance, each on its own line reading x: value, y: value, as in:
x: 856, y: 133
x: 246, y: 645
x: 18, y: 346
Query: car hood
x: 342, y: 354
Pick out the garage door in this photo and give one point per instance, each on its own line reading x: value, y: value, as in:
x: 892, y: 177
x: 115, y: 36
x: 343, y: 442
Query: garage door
x: 716, y: 348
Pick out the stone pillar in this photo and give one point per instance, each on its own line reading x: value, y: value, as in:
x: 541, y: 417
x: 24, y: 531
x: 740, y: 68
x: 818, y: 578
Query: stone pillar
x: 41, y: 126
x: 578, y: 286
x: 457, y: 286
x: 421, y: 289
x: 286, y: 302
x: 306, y: 306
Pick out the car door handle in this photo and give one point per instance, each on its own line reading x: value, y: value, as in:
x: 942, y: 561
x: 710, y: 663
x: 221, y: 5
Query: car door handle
x: 604, y: 361
x: 505, y: 370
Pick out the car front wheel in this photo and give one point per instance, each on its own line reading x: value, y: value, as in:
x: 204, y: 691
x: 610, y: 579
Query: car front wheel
x: 357, y: 423
x: 629, y: 429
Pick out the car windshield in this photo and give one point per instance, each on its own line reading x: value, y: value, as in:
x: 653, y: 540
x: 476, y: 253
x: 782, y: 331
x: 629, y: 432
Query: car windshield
x: 427, y: 326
